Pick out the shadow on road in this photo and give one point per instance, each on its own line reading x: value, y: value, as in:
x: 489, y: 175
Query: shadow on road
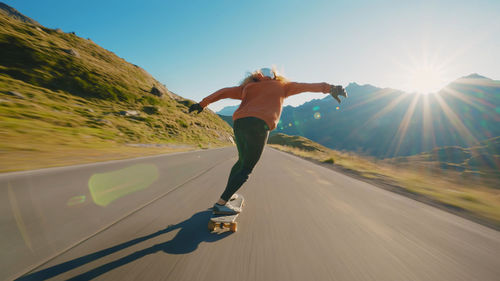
x: 192, y: 232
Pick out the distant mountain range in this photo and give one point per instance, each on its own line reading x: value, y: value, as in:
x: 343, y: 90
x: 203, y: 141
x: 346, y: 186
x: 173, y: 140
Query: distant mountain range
x: 386, y: 122
x: 228, y: 110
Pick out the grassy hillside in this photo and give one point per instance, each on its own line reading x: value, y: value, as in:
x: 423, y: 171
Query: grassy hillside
x: 65, y: 100
x: 299, y: 142
x: 461, y: 192
x: 482, y: 160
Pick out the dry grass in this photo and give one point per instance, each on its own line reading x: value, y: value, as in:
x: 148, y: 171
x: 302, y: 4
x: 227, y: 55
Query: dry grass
x: 480, y: 198
x: 65, y: 156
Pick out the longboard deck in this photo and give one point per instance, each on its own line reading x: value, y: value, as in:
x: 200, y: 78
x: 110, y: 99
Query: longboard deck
x: 228, y: 221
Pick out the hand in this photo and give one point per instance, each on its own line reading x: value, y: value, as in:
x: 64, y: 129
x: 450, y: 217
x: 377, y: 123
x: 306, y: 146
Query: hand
x: 195, y: 107
x: 337, y: 91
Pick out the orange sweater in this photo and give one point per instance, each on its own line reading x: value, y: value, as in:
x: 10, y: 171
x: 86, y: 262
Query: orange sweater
x: 263, y: 99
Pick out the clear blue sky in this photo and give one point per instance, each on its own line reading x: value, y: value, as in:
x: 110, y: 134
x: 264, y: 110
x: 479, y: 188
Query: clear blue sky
x: 197, y: 47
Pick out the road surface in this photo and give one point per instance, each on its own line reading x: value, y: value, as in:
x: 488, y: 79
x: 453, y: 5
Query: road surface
x: 301, y: 222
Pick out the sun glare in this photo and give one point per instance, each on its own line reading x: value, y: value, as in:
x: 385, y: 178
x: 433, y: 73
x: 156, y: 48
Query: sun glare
x: 425, y: 79
x: 424, y: 72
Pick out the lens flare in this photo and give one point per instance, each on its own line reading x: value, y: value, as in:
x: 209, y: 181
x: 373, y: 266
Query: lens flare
x: 76, y: 200
x: 108, y: 187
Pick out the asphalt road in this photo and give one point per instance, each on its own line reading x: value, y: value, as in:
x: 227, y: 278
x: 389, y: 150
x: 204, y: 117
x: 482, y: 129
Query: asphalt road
x: 301, y: 222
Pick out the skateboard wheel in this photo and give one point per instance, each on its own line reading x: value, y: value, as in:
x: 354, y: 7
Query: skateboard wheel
x: 234, y: 227
x: 211, y: 226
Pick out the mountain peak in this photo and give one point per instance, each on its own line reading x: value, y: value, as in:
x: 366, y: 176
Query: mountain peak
x: 353, y: 86
x: 474, y: 76
x: 15, y: 14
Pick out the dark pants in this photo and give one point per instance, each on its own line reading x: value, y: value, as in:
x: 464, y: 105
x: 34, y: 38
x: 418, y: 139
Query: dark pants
x: 251, y: 136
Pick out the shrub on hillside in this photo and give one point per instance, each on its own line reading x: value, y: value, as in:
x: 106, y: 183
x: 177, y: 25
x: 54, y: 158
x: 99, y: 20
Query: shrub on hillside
x: 329, y: 161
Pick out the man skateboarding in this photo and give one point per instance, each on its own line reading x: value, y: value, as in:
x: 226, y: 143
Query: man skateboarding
x: 261, y: 93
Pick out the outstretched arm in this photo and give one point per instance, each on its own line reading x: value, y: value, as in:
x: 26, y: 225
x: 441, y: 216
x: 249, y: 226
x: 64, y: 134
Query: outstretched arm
x: 225, y: 93
x: 293, y: 88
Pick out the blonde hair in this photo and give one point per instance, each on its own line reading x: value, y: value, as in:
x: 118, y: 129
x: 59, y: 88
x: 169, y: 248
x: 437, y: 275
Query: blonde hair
x: 252, y: 77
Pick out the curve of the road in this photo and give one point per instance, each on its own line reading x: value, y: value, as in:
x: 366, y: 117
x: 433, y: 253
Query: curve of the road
x: 146, y: 219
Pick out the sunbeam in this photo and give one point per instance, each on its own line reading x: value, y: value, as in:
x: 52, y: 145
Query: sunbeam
x: 388, y: 108
x: 456, y: 122
x: 427, y: 126
x: 403, y: 126
x: 472, y: 101
x: 379, y: 114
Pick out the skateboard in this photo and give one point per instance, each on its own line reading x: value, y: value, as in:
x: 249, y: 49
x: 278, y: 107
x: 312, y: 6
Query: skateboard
x: 227, y: 221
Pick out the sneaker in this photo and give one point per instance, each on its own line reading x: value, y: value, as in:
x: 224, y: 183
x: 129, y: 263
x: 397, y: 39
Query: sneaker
x: 227, y: 209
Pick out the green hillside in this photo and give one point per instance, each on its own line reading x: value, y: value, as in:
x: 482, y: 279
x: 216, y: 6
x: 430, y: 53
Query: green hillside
x: 297, y: 142
x: 64, y: 100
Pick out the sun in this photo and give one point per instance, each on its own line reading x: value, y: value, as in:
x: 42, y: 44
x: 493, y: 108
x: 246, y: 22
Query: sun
x: 424, y: 71
x: 425, y: 79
